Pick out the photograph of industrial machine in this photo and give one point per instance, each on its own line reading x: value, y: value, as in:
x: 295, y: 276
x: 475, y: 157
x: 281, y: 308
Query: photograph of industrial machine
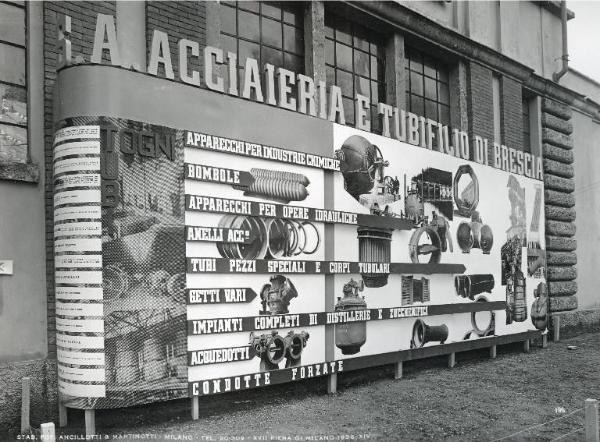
x: 275, y: 296
x: 272, y: 348
x: 144, y: 280
x: 540, y: 307
x: 536, y: 256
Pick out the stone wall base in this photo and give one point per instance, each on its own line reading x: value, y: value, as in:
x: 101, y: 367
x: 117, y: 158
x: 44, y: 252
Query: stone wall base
x: 44, y: 396
x: 577, y: 322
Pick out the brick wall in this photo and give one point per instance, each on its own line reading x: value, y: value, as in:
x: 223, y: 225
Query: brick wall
x: 511, y: 117
x: 480, y: 105
x: 179, y: 20
x: 83, y: 22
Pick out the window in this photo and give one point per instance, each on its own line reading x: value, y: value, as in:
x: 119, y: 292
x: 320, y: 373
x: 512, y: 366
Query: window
x: 526, y: 126
x: 497, y: 107
x: 427, y: 90
x: 270, y: 32
x: 13, y: 83
x: 355, y: 61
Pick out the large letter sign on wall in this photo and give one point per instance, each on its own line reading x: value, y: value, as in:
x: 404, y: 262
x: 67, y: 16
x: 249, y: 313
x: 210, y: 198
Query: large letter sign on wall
x: 191, y: 261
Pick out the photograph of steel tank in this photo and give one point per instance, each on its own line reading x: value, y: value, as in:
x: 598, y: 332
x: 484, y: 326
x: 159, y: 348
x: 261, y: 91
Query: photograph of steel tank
x: 276, y: 295
x: 350, y: 336
x: 273, y: 348
x: 423, y: 333
x: 474, y: 235
x: 516, y: 196
x: 468, y: 200
x: 469, y: 286
x: 536, y: 256
x: 539, y: 308
x: 270, y: 238
x: 415, y: 290
x: 276, y: 185
x: 483, y: 323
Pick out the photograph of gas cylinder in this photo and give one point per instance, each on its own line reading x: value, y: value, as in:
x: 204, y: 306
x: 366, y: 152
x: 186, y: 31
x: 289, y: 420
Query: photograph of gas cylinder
x: 363, y: 168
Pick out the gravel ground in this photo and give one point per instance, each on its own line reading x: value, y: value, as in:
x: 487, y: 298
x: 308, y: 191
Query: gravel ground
x: 478, y: 400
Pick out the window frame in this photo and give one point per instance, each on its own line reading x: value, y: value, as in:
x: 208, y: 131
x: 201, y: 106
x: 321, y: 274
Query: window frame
x: 262, y: 45
x: 438, y: 66
x: 356, y: 32
x: 24, y: 6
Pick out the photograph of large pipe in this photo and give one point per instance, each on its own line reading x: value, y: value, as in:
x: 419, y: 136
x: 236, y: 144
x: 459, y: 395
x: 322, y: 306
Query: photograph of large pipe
x: 469, y: 286
x: 423, y: 333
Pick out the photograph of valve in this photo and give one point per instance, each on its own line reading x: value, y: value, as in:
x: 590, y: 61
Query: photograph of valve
x: 469, y: 286
x: 276, y: 185
x: 273, y: 348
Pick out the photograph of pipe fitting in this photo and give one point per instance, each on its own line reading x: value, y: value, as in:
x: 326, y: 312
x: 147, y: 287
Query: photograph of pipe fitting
x: 351, y: 336
x: 483, y: 322
x: 273, y: 348
x: 276, y: 185
x: 516, y: 196
x: 469, y: 286
x: 275, y: 296
x: 423, y: 333
x: 374, y: 245
x: 468, y: 200
x: 430, y: 239
x: 270, y: 238
x: 474, y: 235
x: 539, y: 308
x: 363, y: 168
x: 414, y: 290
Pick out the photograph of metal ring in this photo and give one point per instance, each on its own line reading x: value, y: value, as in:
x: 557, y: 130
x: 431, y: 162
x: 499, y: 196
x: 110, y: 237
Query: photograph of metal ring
x: 277, y: 238
x: 317, y: 240
x: 491, y: 322
x: 299, y: 248
x: 257, y: 249
x: 465, y: 206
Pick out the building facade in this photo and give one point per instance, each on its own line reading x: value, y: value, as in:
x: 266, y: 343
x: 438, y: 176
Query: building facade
x: 485, y: 68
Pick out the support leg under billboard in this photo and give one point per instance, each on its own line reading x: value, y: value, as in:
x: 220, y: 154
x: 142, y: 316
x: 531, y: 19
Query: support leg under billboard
x: 195, y: 408
x: 62, y: 414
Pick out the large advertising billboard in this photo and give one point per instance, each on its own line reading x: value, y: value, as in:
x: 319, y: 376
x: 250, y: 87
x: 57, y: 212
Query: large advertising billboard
x: 190, y: 263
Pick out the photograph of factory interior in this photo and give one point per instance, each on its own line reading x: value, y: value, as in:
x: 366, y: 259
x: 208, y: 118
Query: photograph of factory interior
x: 206, y: 197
